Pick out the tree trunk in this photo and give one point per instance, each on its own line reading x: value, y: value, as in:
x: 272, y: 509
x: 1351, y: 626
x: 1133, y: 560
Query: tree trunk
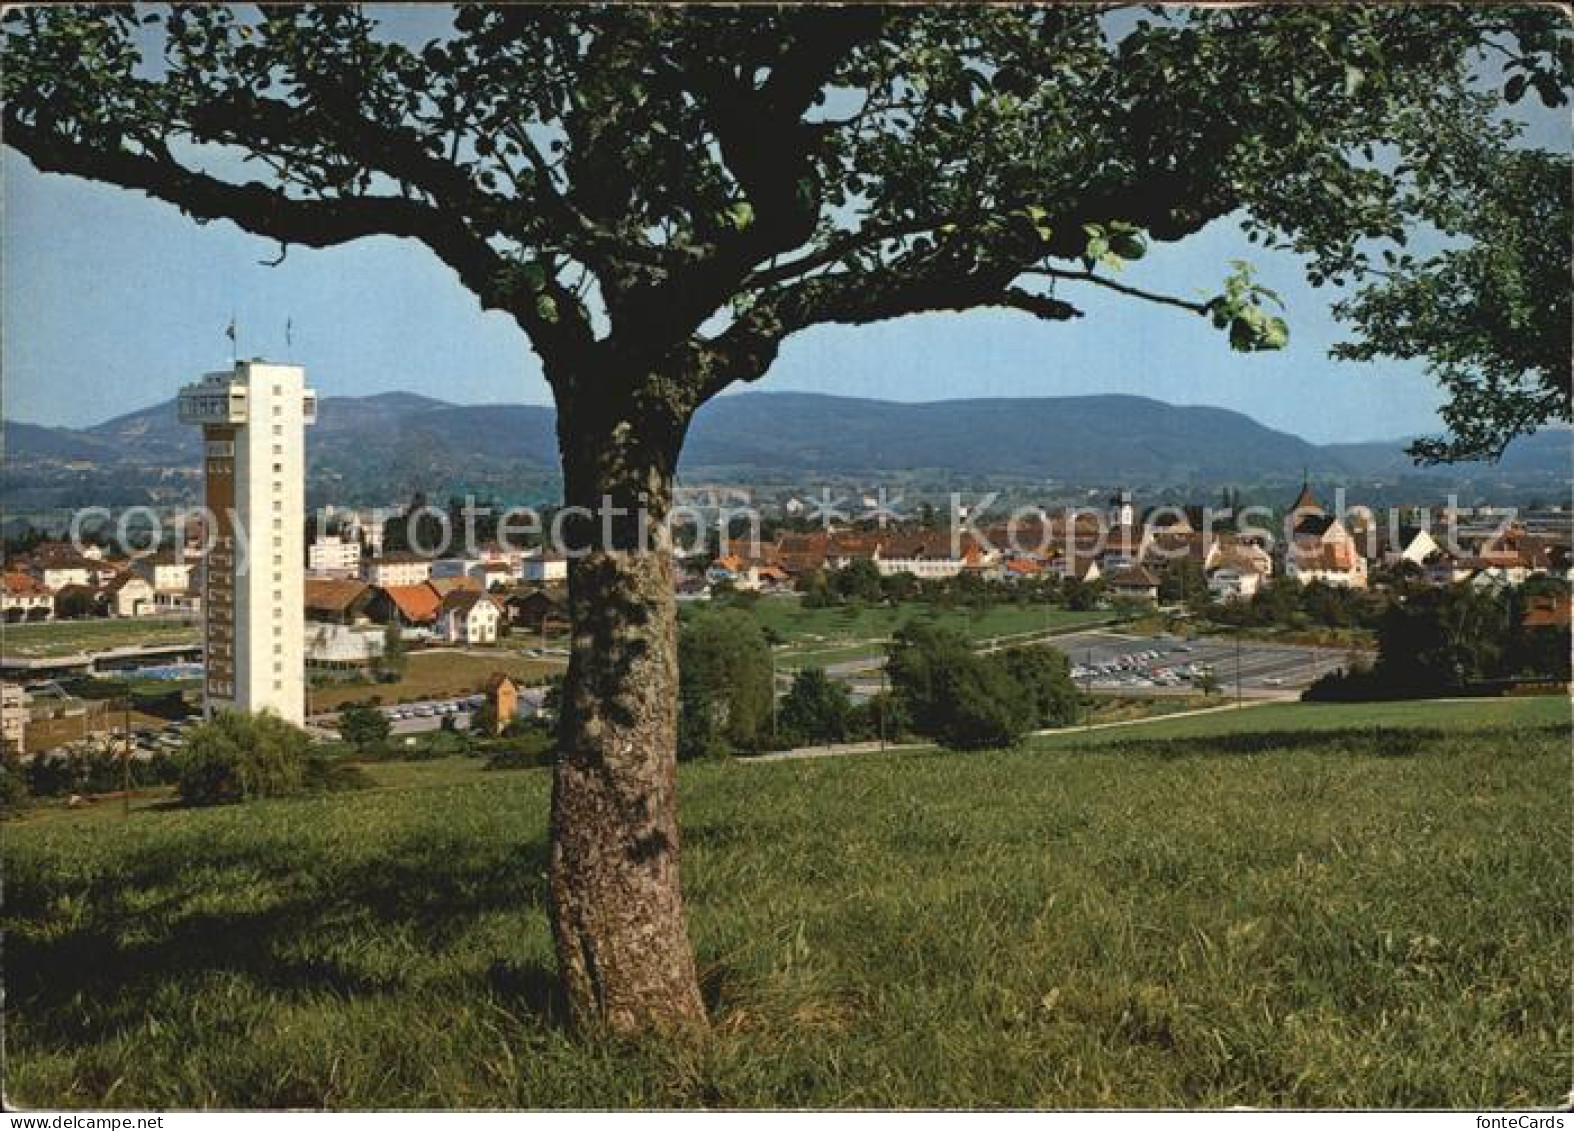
x: 617, y: 904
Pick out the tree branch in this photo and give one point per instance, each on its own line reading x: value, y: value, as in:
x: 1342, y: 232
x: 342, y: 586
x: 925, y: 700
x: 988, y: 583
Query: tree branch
x: 1121, y: 288
x: 318, y: 222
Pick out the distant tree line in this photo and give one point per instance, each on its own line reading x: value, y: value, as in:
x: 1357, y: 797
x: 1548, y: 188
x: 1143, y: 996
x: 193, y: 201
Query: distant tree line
x: 860, y: 582
x: 1443, y: 641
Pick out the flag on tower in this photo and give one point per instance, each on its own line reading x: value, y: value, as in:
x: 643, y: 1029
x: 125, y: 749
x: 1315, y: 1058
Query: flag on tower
x: 229, y: 331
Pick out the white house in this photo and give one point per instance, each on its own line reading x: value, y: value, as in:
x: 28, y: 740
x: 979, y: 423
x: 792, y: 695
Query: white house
x: 543, y: 568
x: 57, y: 575
x: 1413, y: 544
x: 129, y: 595
x: 1134, y: 583
x: 930, y: 556
x: 398, y: 568
x: 494, y: 574
x: 334, y: 556
x: 1234, y: 583
x: 165, y: 571
x: 469, y: 617
x: 1081, y: 567
x: 22, y: 597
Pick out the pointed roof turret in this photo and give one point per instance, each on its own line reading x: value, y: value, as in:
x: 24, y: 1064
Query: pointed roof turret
x: 1306, y: 501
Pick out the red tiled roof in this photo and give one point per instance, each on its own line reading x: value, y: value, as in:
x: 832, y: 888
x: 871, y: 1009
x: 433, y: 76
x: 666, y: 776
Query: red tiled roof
x: 24, y: 585
x: 1133, y: 577
x: 331, y: 595
x: 416, y: 603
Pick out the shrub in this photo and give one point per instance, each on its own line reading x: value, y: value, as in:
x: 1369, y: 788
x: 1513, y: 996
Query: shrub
x: 816, y: 709
x: 13, y: 785
x: 982, y: 707
x: 525, y: 748
x: 964, y: 700
x: 365, y: 728
x: 1044, y: 674
x: 238, y: 756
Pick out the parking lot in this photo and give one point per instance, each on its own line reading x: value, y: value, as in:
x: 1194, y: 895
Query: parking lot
x: 1108, y: 661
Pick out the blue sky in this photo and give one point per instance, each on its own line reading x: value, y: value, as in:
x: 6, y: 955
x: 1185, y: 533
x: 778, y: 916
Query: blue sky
x: 111, y: 301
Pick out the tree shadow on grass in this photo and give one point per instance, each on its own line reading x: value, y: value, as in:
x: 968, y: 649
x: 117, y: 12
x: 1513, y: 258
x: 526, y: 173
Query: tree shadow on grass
x: 288, y: 923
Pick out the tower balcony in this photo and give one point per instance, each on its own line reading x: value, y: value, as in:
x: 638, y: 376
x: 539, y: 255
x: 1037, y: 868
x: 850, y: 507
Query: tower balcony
x: 213, y: 400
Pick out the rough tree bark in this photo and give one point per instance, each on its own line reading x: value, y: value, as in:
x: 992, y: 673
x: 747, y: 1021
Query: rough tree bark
x: 617, y: 905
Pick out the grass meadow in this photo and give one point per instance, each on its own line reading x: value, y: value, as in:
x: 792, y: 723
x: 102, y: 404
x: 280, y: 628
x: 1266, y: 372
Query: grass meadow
x: 1268, y: 907
x: 437, y: 674
x: 67, y: 637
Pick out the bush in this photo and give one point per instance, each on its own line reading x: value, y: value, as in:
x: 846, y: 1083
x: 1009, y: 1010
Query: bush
x: 238, y: 757
x: 525, y: 748
x: 97, y: 769
x: 1356, y: 683
x: 1044, y: 675
x: 982, y: 707
x: 880, y: 715
x: 365, y: 728
x: 967, y: 701
x: 13, y: 785
x: 815, y: 710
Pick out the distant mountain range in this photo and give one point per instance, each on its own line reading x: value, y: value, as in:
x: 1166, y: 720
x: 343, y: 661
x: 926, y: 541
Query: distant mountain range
x: 380, y: 448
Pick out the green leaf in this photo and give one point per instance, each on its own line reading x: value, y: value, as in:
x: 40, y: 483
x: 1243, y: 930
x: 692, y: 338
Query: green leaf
x: 534, y: 275
x: 546, y: 309
x: 1129, y: 245
x: 1275, y: 334
x: 741, y: 215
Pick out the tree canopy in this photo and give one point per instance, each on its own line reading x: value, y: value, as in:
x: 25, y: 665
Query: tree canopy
x: 677, y: 190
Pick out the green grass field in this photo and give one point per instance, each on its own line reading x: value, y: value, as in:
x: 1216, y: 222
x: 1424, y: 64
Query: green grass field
x: 67, y: 637
x: 1341, y: 920
x: 1294, y: 718
x: 437, y: 674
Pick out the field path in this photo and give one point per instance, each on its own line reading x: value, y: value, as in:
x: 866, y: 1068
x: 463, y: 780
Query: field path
x: 841, y: 750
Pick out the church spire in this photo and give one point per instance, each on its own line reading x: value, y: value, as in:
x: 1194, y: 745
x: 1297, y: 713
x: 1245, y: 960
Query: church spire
x: 1306, y: 501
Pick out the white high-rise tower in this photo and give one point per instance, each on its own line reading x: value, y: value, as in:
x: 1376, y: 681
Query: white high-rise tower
x: 254, y: 443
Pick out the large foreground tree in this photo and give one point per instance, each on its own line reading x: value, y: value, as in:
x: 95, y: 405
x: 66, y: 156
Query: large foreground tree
x: 659, y: 197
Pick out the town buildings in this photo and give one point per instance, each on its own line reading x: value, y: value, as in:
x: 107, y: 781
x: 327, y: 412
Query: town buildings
x: 167, y: 570
x: 1321, y: 547
x: 399, y: 567
x: 333, y: 555
x: 469, y: 616
x: 544, y: 568
x: 25, y: 598
x: 253, y: 425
